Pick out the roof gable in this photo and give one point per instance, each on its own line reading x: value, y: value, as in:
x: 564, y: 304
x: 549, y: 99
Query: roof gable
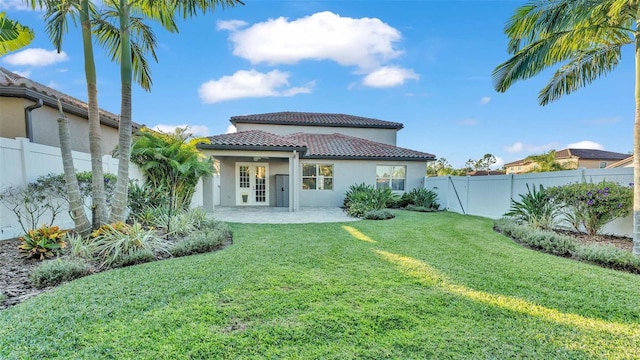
x: 315, y: 119
x: 591, y: 154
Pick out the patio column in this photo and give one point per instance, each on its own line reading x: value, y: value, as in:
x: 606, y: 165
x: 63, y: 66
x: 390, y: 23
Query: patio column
x: 291, y: 181
x: 297, y: 183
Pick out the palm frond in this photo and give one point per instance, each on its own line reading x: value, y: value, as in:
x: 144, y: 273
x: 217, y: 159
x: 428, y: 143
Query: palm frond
x: 13, y: 35
x: 580, y: 71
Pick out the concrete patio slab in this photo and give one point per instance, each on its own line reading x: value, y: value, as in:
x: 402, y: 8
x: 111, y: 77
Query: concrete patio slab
x: 280, y: 215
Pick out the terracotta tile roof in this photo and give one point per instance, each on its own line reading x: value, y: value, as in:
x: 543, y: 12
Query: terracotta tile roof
x: 11, y: 82
x: 590, y: 154
x: 315, y: 119
x: 349, y: 147
x: 315, y: 146
x: 250, y: 139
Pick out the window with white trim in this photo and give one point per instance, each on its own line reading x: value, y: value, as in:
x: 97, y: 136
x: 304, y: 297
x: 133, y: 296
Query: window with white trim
x: 391, y: 176
x: 317, y: 176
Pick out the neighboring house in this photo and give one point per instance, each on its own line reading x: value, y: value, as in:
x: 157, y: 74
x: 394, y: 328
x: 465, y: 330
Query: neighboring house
x: 299, y: 159
x: 485, y: 172
x: 30, y: 110
x: 628, y: 162
x: 572, y: 159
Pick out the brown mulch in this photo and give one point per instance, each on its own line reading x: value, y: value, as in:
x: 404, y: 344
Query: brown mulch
x: 625, y: 243
x: 15, y: 285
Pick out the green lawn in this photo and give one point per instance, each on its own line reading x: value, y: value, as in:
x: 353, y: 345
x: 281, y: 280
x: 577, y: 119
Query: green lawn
x: 423, y: 285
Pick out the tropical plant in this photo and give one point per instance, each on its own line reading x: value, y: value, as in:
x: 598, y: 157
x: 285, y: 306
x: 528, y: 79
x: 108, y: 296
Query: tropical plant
x: 586, y: 37
x: 115, y: 243
x: 41, y: 243
x: 547, y: 162
x: 535, y: 208
x: 13, y: 36
x: 420, y: 197
x: 590, y: 206
x: 171, y: 162
x: 143, y: 199
x: 361, y: 198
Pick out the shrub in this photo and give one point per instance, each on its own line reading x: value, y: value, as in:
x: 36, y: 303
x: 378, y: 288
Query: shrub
x: 135, y: 257
x: 362, y: 198
x: 420, y: 197
x: 79, y: 247
x: 201, y: 242
x: 590, y: 206
x: 545, y: 240
x: 56, y: 271
x: 44, y: 242
x: 378, y: 215
x: 142, y: 198
x: 412, y: 207
x: 609, y: 256
x: 535, y: 208
x: 116, y: 242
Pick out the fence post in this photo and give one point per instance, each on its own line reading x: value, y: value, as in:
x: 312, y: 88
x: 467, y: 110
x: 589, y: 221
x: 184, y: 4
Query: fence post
x: 510, y: 190
x: 25, y: 157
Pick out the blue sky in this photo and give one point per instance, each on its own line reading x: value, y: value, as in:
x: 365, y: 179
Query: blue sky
x: 426, y: 64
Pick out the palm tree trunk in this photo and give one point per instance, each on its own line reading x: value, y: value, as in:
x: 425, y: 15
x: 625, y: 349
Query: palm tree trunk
x: 636, y: 151
x: 119, y: 206
x: 76, y: 207
x: 98, y: 194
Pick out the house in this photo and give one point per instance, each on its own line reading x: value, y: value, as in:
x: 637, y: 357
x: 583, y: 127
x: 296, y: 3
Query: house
x: 571, y: 159
x: 301, y: 159
x: 628, y: 162
x: 485, y: 172
x: 30, y: 110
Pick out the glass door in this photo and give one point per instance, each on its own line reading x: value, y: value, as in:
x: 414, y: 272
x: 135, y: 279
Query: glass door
x: 252, y: 184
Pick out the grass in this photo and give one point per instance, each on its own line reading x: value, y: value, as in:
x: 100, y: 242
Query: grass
x: 422, y: 285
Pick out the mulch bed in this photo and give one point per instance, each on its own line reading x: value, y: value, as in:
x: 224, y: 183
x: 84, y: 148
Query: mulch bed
x: 15, y: 270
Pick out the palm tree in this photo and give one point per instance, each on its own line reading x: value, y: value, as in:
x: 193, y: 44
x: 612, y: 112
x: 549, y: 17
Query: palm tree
x: 13, y: 36
x: 162, y: 11
x: 585, y: 38
x: 547, y: 162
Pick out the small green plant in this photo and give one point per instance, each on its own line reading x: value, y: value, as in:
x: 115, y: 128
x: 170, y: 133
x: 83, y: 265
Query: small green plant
x: 536, y: 238
x: 362, y: 198
x: 420, y: 197
x: 412, y: 207
x: 535, y: 208
x: 378, y: 215
x: 41, y: 243
x: 54, y: 272
x: 143, y: 199
x: 590, y: 206
x: 115, y: 242
x: 201, y: 242
x: 610, y: 256
x: 138, y: 256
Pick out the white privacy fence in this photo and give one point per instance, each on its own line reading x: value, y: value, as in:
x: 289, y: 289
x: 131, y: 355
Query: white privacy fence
x: 490, y: 196
x: 22, y: 162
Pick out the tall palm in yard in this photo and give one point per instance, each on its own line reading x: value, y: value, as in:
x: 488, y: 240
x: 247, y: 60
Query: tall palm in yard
x: 585, y: 38
x: 162, y: 11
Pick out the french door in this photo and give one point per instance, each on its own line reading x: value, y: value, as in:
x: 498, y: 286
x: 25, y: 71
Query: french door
x: 252, y: 183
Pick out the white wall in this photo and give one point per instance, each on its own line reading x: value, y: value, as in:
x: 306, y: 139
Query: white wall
x: 491, y: 196
x: 22, y: 162
x: 382, y: 135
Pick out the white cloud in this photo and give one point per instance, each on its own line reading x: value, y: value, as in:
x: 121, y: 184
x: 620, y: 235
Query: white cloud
x: 14, y: 5
x: 54, y: 85
x: 231, y: 129
x: 249, y: 83
x: 522, y: 147
x: 35, y: 57
x: 364, y: 42
x: 194, y: 130
x: 485, y: 100
x: 231, y: 25
x: 468, y: 122
x: 389, y: 76
x: 586, y: 144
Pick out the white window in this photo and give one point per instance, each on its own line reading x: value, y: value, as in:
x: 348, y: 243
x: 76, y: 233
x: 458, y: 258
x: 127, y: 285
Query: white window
x: 391, y: 176
x: 317, y: 176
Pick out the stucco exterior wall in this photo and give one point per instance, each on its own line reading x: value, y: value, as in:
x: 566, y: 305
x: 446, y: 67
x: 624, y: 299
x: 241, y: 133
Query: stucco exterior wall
x: 346, y: 173
x: 385, y: 136
x: 45, y: 126
x: 350, y: 172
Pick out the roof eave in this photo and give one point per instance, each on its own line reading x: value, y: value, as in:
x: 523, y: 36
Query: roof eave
x: 26, y: 93
x: 379, y: 158
x: 250, y: 147
x: 369, y: 126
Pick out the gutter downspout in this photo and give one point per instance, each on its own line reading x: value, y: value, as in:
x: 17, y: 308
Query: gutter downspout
x: 28, y: 121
